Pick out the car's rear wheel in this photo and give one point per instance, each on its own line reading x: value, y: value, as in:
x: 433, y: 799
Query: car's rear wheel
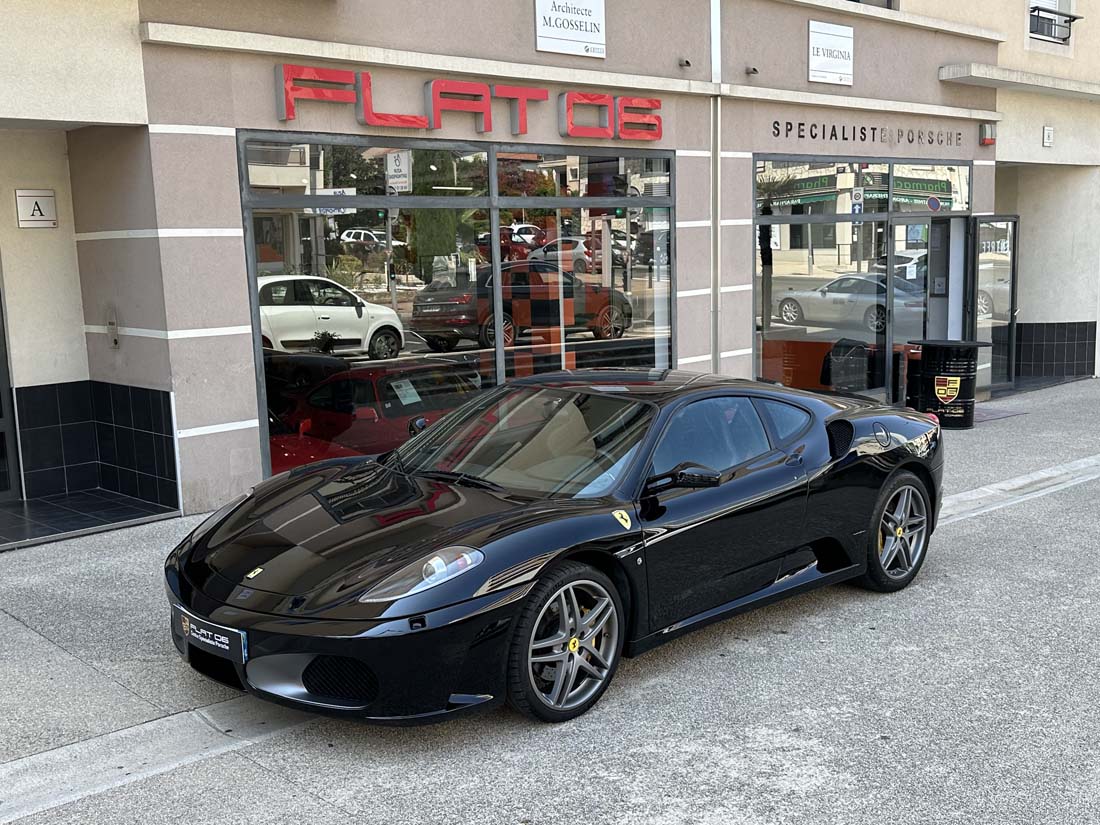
x: 580, y: 266
x: 984, y: 305
x: 384, y: 344
x: 875, y: 319
x: 791, y: 311
x: 566, y: 644
x: 439, y: 344
x: 488, y: 331
x: 900, y: 530
x: 610, y: 323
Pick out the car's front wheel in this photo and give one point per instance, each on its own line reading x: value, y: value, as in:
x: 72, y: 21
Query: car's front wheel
x: 874, y: 319
x: 566, y: 644
x: 900, y: 530
x: 384, y: 344
x: 790, y: 311
x: 610, y: 323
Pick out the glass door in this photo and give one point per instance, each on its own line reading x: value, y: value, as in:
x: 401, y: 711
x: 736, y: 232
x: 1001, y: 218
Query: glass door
x: 905, y: 289
x: 992, y: 311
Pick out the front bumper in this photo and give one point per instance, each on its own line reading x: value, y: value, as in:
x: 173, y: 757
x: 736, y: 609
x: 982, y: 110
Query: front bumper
x: 392, y: 671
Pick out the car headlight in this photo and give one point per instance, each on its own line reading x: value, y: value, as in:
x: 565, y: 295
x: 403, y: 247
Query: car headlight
x: 437, y: 568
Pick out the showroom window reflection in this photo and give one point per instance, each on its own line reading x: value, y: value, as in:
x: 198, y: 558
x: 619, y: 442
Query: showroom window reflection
x: 377, y: 317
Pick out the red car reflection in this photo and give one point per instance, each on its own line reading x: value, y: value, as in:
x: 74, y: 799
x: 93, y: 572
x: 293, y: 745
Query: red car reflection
x: 368, y: 409
x: 443, y: 313
x: 290, y: 449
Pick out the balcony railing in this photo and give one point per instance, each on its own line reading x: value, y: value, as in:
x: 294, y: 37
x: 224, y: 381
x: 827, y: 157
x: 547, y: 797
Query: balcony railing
x: 1052, y: 24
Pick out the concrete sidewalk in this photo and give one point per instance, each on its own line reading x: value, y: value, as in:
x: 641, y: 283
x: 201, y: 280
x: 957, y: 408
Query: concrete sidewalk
x: 969, y: 697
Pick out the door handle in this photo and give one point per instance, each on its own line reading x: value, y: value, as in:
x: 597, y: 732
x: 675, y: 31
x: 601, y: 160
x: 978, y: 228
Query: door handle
x: 794, y: 460
x: 324, y: 317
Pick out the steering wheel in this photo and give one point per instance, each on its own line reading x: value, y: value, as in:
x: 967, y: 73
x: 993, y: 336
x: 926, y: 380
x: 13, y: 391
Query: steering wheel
x: 332, y: 302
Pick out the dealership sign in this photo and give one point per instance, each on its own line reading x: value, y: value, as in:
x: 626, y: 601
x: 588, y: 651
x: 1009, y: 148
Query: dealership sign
x: 615, y: 117
x: 573, y: 27
x: 831, y: 53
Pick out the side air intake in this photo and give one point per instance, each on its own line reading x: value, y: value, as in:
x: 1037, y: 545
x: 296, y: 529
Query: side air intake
x: 840, y: 434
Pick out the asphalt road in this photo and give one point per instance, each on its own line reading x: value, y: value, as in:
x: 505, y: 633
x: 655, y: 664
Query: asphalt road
x: 969, y: 697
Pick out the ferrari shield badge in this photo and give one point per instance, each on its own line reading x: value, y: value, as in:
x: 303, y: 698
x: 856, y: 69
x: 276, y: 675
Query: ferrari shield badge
x: 947, y: 388
x: 623, y: 517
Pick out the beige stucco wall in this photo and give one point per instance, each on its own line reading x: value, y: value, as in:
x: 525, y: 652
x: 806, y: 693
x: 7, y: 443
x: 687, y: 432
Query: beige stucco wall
x: 41, y: 284
x: 1079, y: 60
x: 1059, y: 247
x: 643, y: 36
x: 1020, y: 134
x: 71, y: 62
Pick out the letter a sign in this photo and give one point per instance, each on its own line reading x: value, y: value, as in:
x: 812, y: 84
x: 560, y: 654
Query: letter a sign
x: 36, y: 208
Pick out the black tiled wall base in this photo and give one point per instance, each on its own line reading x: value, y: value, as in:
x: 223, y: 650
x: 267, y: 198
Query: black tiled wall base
x: 86, y: 434
x: 1056, y: 350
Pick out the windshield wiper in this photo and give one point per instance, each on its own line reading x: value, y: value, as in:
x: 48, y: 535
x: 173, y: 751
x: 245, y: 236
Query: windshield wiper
x: 460, y: 478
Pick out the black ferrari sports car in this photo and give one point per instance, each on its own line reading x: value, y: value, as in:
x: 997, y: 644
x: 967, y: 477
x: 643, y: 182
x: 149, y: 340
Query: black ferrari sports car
x: 520, y: 546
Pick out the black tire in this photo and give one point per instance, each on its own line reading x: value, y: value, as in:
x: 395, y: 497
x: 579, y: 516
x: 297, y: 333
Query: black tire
x: 875, y: 578
x: 384, y: 344
x: 793, y: 313
x: 486, y: 335
x: 522, y: 693
x: 581, y: 266
x: 436, y: 344
x: 874, y: 319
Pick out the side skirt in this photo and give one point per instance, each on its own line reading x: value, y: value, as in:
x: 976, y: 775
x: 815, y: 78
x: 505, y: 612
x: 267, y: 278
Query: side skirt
x: 806, y: 579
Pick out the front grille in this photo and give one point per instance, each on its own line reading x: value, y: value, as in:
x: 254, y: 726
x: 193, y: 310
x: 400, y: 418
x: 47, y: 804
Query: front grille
x: 214, y: 667
x: 340, y: 678
x: 840, y: 434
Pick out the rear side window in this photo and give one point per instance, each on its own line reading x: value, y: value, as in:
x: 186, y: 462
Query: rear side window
x: 787, y: 421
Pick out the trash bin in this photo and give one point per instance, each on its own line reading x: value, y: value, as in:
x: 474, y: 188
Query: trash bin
x: 945, y: 381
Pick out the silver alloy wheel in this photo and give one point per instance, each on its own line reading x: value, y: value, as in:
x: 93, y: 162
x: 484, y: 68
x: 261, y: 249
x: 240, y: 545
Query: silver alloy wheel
x: 903, y: 532
x: 574, y: 645
x: 876, y: 319
x: 788, y: 311
x: 612, y: 324
x: 984, y: 304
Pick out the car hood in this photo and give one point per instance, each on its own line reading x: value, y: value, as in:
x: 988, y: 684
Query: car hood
x: 328, y: 532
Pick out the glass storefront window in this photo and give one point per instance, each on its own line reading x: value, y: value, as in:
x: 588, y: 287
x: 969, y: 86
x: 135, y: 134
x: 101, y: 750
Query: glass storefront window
x: 338, y: 169
x: 523, y: 174
x: 820, y: 313
x: 373, y: 318
x: 820, y: 187
x: 585, y: 288
x: 919, y: 188
x: 392, y: 330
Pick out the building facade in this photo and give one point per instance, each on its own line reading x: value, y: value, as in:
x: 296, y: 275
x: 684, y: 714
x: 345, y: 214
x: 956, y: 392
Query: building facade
x: 241, y: 237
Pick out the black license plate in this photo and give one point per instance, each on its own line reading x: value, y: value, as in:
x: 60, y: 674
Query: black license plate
x: 226, y: 642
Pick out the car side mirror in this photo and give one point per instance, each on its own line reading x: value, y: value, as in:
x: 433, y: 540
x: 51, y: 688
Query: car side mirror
x: 823, y: 291
x: 696, y: 477
x: 359, y: 308
x: 366, y: 414
x: 304, y: 426
x: 688, y: 476
x: 418, y: 425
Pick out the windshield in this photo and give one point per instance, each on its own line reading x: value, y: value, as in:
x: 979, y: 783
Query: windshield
x: 548, y: 441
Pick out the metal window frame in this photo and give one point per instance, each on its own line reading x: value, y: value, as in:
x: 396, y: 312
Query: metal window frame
x: 890, y: 217
x: 493, y: 201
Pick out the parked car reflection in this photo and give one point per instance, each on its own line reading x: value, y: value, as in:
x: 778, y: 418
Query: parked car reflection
x: 445, y: 313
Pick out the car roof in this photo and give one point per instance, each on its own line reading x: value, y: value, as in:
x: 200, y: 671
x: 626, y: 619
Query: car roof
x: 665, y: 386
x: 270, y: 279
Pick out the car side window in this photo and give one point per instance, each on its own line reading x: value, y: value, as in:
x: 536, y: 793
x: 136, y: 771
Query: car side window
x: 718, y: 433
x: 787, y: 421
x: 303, y: 292
x: 276, y: 295
x: 329, y: 295
x: 843, y: 285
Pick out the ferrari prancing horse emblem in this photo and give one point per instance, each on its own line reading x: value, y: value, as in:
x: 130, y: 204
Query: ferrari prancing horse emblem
x: 947, y: 388
x: 255, y: 573
x: 623, y: 517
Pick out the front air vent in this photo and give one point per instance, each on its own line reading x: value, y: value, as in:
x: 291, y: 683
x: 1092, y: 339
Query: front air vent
x: 340, y: 678
x: 840, y: 434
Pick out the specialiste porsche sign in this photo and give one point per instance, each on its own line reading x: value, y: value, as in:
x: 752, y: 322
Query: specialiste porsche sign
x: 608, y: 117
